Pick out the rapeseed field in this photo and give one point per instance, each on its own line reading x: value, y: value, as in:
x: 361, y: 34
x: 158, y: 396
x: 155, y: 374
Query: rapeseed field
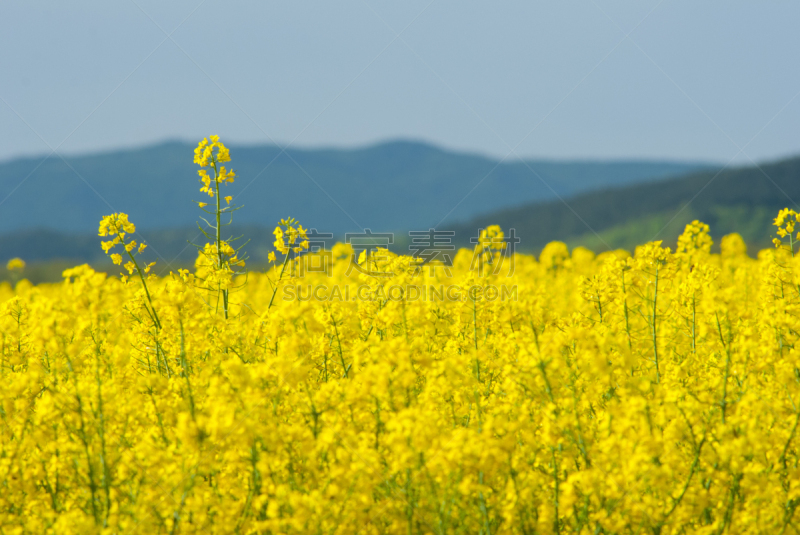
x: 349, y: 391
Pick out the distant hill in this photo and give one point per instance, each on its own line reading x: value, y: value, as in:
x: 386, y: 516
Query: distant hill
x: 743, y: 200
x: 37, y: 245
x: 391, y: 186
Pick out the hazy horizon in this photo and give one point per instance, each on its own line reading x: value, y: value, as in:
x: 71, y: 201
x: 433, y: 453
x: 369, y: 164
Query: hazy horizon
x: 379, y: 142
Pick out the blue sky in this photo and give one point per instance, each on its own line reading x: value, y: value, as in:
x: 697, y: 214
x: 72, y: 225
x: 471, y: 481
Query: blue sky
x: 673, y: 79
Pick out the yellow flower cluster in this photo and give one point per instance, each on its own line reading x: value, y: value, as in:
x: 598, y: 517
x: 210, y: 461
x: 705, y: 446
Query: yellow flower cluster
x: 117, y: 225
x: 289, y: 234
x: 656, y: 393
x: 785, y: 222
x: 209, y: 270
x: 211, y: 154
x: 204, y: 153
x: 15, y: 264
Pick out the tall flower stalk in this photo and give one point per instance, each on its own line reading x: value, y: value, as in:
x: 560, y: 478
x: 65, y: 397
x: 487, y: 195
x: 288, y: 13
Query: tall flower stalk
x: 117, y: 226
x: 218, y: 261
x: 290, y: 238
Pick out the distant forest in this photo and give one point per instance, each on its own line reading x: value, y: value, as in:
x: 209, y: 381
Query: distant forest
x: 743, y: 200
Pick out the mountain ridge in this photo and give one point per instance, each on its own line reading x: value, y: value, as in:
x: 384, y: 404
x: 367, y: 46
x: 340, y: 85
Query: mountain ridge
x: 393, y: 185
x: 742, y: 199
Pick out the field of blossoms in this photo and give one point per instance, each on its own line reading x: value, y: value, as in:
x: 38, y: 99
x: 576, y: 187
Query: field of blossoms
x: 651, y: 393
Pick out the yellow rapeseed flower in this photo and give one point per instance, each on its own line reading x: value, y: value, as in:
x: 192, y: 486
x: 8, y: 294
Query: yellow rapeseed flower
x: 15, y: 264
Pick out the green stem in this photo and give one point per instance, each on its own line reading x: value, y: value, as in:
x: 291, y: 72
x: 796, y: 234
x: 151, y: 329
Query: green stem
x: 556, y: 522
x: 694, y: 324
x: 677, y: 501
x: 655, y: 328
x: 474, y: 322
x: 93, y: 488
x: 339, y: 346
x: 152, y: 310
x: 106, y: 472
x: 625, y: 310
x: 220, y: 255
x: 789, y: 441
x: 280, y: 277
x: 724, y: 403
